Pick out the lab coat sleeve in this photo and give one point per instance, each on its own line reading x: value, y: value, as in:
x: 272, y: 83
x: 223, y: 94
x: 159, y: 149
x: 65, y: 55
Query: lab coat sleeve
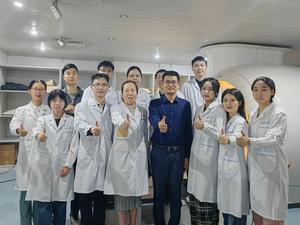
x: 72, y: 154
x: 185, y: 90
x: 214, y: 130
x: 16, y: 121
x: 154, y: 115
x: 81, y: 124
x: 240, y: 126
x: 39, y: 126
x: 275, y: 134
x: 116, y: 115
x: 87, y: 93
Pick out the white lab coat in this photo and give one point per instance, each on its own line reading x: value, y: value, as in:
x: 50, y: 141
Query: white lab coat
x: 27, y: 116
x: 233, y: 191
x: 111, y: 96
x: 59, y: 150
x: 157, y: 95
x: 203, y: 169
x: 268, y: 169
x: 127, y: 170
x: 191, y: 91
x: 93, y: 151
x: 143, y: 98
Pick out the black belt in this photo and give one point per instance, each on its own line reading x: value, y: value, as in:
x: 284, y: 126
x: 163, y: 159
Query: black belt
x: 170, y: 148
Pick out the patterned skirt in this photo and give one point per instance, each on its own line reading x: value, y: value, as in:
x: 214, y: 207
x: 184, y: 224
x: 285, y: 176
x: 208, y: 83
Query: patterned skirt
x: 127, y: 202
x: 203, y: 213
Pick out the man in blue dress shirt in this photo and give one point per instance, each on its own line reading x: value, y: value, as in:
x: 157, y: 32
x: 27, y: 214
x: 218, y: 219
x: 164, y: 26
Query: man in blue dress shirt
x: 170, y: 116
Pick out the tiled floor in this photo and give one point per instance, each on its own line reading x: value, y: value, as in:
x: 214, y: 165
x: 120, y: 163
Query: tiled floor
x: 9, y: 211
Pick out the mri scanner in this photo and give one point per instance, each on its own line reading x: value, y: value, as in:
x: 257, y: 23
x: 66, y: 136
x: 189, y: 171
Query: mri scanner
x: 287, y: 81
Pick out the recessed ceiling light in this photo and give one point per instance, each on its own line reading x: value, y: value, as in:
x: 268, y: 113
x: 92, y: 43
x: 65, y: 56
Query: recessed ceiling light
x: 157, y: 56
x: 42, y: 47
x: 33, y: 31
x: 18, y: 4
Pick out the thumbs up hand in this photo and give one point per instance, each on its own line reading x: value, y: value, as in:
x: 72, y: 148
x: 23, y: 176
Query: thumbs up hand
x: 22, y: 131
x: 96, y: 130
x: 163, y: 127
x: 42, y: 137
x: 198, y: 124
x: 223, y: 139
x: 126, y: 123
x: 243, y: 140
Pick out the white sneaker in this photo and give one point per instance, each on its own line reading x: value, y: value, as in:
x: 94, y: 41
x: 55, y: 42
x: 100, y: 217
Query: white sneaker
x: 73, y: 221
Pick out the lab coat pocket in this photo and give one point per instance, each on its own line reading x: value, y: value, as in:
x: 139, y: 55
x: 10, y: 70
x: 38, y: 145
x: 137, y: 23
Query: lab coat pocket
x: 206, y: 151
x: 264, y: 124
x: 43, y: 158
x: 266, y: 160
x: 231, y: 166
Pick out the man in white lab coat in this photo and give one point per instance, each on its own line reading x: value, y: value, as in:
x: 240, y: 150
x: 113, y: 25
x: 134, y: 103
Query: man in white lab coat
x: 108, y: 68
x: 93, y: 121
x: 191, y: 88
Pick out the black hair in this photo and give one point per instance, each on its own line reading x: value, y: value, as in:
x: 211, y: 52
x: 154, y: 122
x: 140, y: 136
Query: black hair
x: 98, y: 76
x: 57, y: 92
x: 37, y: 81
x: 106, y: 64
x: 134, y: 68
x: 268, y: 81
x: 199, y: 58
x: 129, y: 81
x: 214, y: 83
x: 69, y: 66
x: 171, y: 73
x: 239, y: 97
x: 159, y: 71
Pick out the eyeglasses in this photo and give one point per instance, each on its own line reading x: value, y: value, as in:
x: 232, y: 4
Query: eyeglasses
x: 100, y: 85
x: 38, y: 89
x: 168, y: 82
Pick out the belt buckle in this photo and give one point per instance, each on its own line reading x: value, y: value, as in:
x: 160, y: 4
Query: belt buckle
x: 172, y: 149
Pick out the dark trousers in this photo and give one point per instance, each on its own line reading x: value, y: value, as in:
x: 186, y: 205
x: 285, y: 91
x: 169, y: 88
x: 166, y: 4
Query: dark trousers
x: 167, y: 171
x: 232, y: 220
x: 92, y: 208
x: 51, y: 213
x: 75, y: 201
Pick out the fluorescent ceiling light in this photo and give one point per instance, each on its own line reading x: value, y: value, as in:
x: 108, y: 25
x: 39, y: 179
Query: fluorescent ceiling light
x: 33, y: 31
x: 157, y: 55
x: 42, y: 47
x: 18, y: 4
x: 55, y: 10
x: 61, y: 42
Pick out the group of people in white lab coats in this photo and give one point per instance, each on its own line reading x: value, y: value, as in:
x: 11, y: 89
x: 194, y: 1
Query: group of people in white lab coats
x: 234, y: 165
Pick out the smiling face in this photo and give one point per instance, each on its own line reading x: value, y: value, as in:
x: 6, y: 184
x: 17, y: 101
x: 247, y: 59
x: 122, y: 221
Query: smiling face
x: 230, y: 104
x: 107, y: 70
x: 200, y: 69
x: 135, y: 76
x: 71, y: 77
x: 262, y: 93
x: 129, y: 93
x: 100, y: 87
x: 170, y: 85
x: 37, y: 92
x: 207, y: 92
x: 158, y: 80
x: 57, y: 105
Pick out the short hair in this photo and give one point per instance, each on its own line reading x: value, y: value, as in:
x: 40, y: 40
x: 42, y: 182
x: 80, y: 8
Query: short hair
x: 239, y: 97
x: 57, y: 92
x: 98, y: 76
x: 171, y: 73
x: 268, y: 81
x: 199, y: 58
x: 69, y: 66
x: 159, y: 71
x: 129, y: 81
x: 134, y: 68
x: 214, y: 83
x: 106, y: 64
x: 37, y: 81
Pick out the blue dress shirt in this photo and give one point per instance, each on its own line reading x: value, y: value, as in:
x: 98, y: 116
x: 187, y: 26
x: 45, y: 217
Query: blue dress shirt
x: 178, y: 119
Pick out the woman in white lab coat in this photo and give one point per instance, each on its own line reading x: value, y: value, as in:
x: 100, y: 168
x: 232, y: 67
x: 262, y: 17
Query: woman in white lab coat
x: 209, y: 119
x: 268, y: 168
x: 21, y: 125
x: 93, y: 121
x: 127, y: 172
x: 134, y: 74
x: 51, y: 178
x: 233, y: 191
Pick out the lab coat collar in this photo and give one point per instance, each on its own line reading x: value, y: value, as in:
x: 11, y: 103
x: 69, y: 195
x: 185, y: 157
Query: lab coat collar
x: 232, y: 120
x: 263, y: 113
x: 94, y: 104
x: 210, y: 107
x: 61, y: 122
x: 194, y: 82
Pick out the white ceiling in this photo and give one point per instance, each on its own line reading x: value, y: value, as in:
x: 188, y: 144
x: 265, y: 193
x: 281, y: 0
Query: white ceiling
x: 178, y: 27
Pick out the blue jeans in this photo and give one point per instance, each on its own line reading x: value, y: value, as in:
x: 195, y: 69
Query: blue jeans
x: 167, y: 171
x: 232, y: 220
x: 28, y: 210
x: 51, y: 213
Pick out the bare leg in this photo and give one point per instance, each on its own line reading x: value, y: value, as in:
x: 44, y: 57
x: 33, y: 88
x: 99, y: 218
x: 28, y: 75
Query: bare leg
x: 133, y: 216
x: 122, y: 215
